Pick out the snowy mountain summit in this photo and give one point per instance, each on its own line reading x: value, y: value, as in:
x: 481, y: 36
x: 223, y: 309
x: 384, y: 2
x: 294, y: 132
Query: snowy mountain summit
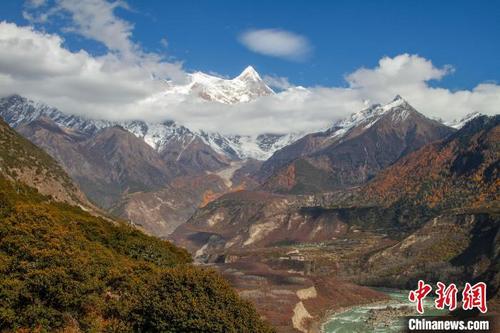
x: 244, y: 88
x: 460, y: 122
x: 399, y: 109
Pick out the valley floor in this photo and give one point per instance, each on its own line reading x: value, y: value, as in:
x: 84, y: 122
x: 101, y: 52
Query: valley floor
x: 297, y: 287
x: 302, y: 287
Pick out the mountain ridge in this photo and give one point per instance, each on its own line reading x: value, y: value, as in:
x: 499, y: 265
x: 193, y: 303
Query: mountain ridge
x: 352, y: 151
x: 16, y: 110
x: 463, y: 167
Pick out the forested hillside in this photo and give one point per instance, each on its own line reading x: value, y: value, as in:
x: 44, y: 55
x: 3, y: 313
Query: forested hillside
x: 62, y: 269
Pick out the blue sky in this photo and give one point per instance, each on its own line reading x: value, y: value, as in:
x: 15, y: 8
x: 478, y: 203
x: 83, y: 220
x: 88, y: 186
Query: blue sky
x: 102, y: 58
x: 344, y: 35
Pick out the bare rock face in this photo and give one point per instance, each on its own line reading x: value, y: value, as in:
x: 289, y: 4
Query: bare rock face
x: 351, y: 152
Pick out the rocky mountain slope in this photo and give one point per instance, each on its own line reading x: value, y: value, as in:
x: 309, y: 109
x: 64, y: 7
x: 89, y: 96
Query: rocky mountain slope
x: 352, y: 151
x: 150, y: 172
x: 18, y: 111
x: 160, y: 212
x: 460, y: 171
x: 22, y: 161
x: 106, y: 165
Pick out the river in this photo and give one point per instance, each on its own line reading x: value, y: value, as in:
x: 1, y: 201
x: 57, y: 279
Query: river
x: 354, y: 319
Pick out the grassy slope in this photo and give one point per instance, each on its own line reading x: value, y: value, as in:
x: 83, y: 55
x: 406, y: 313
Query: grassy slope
x: 19, y: 157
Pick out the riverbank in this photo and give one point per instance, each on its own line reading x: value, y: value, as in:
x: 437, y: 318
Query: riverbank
x: 336, y: 297
x: 335, y: 312
x: 376, y: 316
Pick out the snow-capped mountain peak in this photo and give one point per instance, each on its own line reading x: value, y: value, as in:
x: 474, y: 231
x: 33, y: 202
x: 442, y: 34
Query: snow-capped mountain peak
x: 460, y: 122
x: 248, y: 74
x: 399, y: 108
x: 398, y: 98
x: 398, y: 101
x: 243, y: 88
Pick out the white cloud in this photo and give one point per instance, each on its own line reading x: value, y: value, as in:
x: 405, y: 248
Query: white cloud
x: 93, y: 19
x: 403, y: 69
x: 35, y: 12
x: 278, y: 82
x: 96, y: 20
x: 37, y: 65
x: 277, y: 43
x: 409, y: 76
x: 35, y: 3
